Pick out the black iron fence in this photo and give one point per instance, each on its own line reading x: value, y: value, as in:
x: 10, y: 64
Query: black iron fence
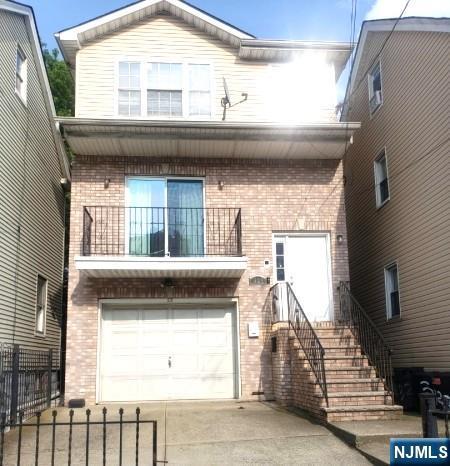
x: 80, y: 438
x: 29, y: 380
x: 433, y: 408
x: 286, y: 305
x: 161, y: 231
x: 367, y: 335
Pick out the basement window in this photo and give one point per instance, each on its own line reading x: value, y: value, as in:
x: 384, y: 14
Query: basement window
x: 392, y: 291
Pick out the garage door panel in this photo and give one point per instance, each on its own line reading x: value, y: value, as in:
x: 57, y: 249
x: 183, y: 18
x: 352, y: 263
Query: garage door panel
x: 137, y: 344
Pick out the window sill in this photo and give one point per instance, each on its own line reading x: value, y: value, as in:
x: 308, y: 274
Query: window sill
x: 382, y: 204
x: 394, y: 319
x: 21, y: 98
x: 375, y: 110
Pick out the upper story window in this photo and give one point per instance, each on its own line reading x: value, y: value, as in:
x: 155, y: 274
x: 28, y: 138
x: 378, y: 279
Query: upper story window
x: 199, y: 90
x: 41, y: 305
x: 165, y: 89
x: 21, y: 75
x: 381, y: 179
x: 129, y: 89
x: 392, y: 291
x: 375, y: 89
x: 169, y: 90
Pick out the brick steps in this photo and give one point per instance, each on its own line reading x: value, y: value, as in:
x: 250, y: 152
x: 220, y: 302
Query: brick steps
x: 336, y: 362
x: 356, y: 399
x: 346, y: 385
x: 362, y: 413
x: 354, y: 390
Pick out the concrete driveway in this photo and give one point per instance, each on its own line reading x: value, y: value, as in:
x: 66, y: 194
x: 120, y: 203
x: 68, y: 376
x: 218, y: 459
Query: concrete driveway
x: 194, y: 433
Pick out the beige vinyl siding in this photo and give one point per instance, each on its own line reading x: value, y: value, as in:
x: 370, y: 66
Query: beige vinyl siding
x: 414, y: 226
x: 31, y: 199
x: 168, y: 38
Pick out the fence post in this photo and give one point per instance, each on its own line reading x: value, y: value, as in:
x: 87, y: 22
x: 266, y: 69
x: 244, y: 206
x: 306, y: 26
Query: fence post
x: 49, y: 378
x: 14, y: 384
x: 429, y: 420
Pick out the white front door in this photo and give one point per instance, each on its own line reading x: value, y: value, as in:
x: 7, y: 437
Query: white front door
x: 167, y: 353
x: 304, y: 262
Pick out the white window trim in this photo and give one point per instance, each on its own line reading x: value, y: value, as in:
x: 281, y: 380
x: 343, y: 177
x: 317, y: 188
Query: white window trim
x: 185, y: 90
x: 165, y: 179
x: 389, y: 315
x: 21, y: 95
x: 376, y: 161
x: 370, y: 88
x: 37, y: 333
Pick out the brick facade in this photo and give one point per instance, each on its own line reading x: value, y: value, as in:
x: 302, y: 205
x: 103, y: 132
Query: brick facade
x: 280, y: 196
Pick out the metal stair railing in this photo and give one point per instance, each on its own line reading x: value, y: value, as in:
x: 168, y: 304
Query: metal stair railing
x: 284, y: 296
x: 367, y: 335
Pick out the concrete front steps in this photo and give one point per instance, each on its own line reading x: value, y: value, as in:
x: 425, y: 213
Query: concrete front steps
x: 355, y: 392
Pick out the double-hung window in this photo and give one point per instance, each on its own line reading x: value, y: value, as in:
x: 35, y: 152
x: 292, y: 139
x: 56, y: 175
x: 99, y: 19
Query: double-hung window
x: 165, y: 89
x: 392, y: 291
x: 129, y: 88
x: 375, y: 89
x: 41, y: 305
x: 199, y: 90
x: 21, y: 74
x: 381, y: 179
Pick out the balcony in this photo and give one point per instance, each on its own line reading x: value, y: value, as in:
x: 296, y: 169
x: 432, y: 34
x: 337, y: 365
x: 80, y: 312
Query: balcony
x: 161, y: 242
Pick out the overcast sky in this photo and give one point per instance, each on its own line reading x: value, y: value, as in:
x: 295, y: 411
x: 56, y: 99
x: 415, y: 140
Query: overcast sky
x: 327, y: 20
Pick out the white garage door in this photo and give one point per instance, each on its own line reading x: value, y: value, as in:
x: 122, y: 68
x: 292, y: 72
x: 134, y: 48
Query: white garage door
x: 167, y: 353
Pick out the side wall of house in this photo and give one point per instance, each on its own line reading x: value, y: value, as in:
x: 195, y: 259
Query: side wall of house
x: 168, y: 39
x: 31, y: 199
x: 413, y: 227
x: 288, y: 196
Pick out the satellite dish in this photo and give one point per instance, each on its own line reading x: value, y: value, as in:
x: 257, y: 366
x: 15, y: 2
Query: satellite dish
x: 226, y: 100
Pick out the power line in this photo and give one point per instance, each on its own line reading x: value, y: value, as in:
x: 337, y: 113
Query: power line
x: 377, y: 55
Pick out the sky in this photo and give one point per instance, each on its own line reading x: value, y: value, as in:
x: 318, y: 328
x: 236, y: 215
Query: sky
x: 321, y: 20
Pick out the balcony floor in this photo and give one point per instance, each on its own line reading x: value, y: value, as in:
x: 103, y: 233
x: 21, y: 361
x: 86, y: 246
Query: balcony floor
x: 143, y: 267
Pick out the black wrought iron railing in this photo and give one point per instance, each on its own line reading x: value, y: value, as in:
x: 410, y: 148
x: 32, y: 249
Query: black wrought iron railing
x: 89, y: 438
x: 29, y: 380
x: 367, y: 335
x: 286, y: 305
x: 161, y: 231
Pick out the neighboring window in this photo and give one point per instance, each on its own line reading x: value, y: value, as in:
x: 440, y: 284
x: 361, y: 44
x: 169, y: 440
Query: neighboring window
x: 375, y: 91
x: 199, y: 90
x: 41, y: 305
x: 381, y: 180
x: 165, y: 89
x: 21, y: 74
x: 129, y: 89
x: 392, y: 291
x: 279, y: 257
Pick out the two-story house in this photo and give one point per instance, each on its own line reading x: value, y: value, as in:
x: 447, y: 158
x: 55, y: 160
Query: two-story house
x: 33, y: 171
x: 397, y: 193
x: 207, y: 169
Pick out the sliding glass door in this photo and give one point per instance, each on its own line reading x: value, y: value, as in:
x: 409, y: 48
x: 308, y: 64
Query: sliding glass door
x: 165, y: 217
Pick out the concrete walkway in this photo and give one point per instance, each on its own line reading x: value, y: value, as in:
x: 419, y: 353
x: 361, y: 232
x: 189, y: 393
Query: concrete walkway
x: 200, y: 433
